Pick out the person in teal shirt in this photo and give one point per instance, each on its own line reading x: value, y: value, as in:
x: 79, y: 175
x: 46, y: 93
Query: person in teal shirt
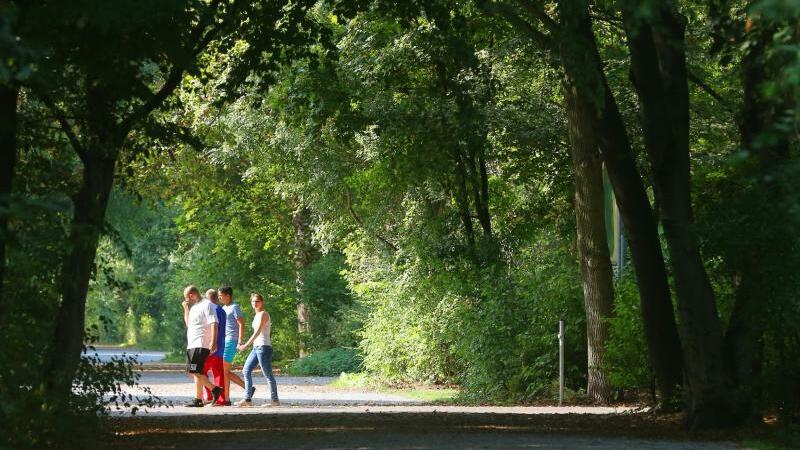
x: 234, y: 333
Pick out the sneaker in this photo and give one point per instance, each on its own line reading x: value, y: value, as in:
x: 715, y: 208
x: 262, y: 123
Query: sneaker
x: 273, y: 403
x: 244, y: 403
x: 215, y: 393
x: 195, y: 403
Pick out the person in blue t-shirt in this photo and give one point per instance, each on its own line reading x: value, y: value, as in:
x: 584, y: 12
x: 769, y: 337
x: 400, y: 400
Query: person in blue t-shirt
x: 234, y: 333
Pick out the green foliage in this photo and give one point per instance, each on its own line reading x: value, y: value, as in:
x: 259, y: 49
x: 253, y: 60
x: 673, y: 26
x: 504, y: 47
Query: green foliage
x: 32, y: 419
x: 327, y: 363
x: 628, y: 360
x: 335, y: 319
x: 380, y: 130
x: 508, y: 339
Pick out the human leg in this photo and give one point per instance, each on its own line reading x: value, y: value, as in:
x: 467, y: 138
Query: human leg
x: 228, y: 354
x: 247, y: 372
x: 195, y: 365
x: 230, y: 376
x: 206, y: 370
x: 264, y: 354
x: 236, y: 379
x: 218, y: 376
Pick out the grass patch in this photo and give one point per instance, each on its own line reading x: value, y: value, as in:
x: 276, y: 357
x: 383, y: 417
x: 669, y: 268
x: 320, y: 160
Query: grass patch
x: 174, y: 357
x: 424, y: 393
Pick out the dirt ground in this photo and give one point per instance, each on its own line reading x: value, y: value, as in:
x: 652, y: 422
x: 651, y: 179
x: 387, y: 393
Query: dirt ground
x: 314, y: 415
x: 396, y: 430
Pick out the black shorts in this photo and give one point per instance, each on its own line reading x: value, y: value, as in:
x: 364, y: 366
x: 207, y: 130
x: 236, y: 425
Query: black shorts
x: 196, y: 359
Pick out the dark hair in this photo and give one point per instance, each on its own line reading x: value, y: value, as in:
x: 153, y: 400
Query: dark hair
x: 227, y: 290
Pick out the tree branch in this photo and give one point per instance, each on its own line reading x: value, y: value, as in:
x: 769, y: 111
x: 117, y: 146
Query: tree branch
x: 535, y: 10
x: 507, y: 12
x: 65, y: 127
x: 202, y: 38
x: 360, y: 222
x: 710, y: 91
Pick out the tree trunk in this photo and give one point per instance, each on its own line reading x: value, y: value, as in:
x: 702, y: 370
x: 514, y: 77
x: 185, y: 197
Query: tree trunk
x: 596, y: 272
x: 583, y: 62
x: 90, y: 204
x: 303, y: 256
x: 474, y: 159
x: 462, y: 198
x: 658, y: 68
x: 8, y: 159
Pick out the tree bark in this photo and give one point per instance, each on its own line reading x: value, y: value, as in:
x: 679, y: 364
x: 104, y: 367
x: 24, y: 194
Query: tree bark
x: 583, y: 62
x: 596, y: 273
x: 8, y: 159
x: 658, y: 69
x: 302, y: 258
x: 90, y: 204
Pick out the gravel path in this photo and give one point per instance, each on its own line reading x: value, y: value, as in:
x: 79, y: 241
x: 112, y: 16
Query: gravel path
x: 409, y: 439
x: 293, y: 391
x: 315, y: 416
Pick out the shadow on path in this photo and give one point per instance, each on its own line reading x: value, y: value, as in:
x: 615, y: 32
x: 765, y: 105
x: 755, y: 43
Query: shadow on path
x: 403, y: 431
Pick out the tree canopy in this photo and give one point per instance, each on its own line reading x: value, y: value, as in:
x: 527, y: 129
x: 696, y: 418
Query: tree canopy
x: 429, y: 184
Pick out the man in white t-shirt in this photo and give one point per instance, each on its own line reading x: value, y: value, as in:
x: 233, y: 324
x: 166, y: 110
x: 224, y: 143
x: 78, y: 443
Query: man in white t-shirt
x: 200, y: 316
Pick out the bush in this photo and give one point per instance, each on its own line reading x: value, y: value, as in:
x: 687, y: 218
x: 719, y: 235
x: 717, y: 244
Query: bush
x: 33, y: 419
x: 327, y: 363
x: 628, y: 361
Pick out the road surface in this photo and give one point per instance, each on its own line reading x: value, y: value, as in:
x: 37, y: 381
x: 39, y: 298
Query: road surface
x: 144, y: 356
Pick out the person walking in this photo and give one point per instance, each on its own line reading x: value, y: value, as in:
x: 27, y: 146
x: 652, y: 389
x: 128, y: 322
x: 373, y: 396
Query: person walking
x: 201, y: 333
x: 234, y: 334
x: 214, y: 360
x: 261, y: 353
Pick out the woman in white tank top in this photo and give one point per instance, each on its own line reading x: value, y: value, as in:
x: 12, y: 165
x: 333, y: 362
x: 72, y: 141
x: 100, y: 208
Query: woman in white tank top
x: 261, y: 353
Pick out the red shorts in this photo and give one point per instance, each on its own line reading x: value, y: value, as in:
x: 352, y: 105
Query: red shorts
x: 214, y: 364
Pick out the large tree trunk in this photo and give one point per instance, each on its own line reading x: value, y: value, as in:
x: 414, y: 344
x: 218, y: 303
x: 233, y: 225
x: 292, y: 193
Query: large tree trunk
x: 8, y: 159
x: 90, y: 204
x: 584, y: 63
x: 302, y: 258
x: 595, y: 262
x: 658, y: 68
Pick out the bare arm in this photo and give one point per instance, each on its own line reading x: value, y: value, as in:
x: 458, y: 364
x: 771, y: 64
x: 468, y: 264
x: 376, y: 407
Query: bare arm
x: 185, y: 312
x: 214, y: 331
x: 261, y: 321
x: 240, y: 321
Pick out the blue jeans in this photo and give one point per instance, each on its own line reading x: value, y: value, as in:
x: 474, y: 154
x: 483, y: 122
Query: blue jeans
x: 263, y: 355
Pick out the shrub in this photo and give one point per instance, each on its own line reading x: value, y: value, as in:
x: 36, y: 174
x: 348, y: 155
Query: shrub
x: 327, y: 363
x: 628, y: 361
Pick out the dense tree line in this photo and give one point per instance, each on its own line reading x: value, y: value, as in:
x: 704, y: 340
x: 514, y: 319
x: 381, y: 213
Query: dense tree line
x: 427, y: 181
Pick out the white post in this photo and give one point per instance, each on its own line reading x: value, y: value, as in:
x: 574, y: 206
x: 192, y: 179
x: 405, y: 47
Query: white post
x: 560, y: 362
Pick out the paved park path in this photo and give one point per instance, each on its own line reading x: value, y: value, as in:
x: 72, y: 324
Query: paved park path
x: 314, y: 415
